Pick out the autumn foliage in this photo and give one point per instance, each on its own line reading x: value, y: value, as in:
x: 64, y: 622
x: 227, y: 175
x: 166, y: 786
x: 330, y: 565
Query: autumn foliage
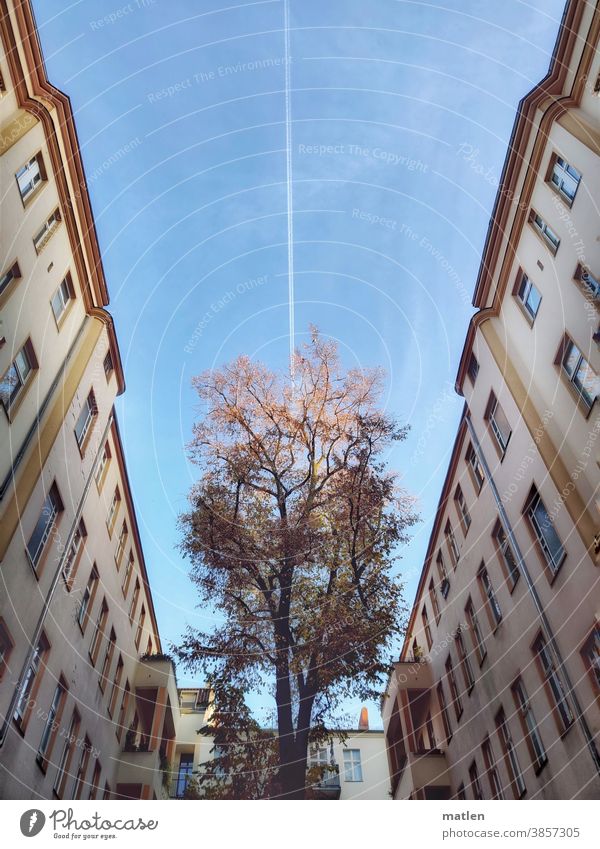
x: 293, y: 531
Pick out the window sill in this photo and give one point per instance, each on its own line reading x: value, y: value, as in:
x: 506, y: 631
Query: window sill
x: 582, y: 405
x: 564, y: 198
x: 13, y: 408
x: 553, y: 573
x: 523, y: 309
x: 64, y: 315
x: 511, y: 588
x: 565, y: 731
x: 86, y: 439
x: 550, y: 246
x: 9, y: 289
x: 31, y: 196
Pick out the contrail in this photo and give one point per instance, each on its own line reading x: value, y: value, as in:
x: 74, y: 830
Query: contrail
x: 290, y: 205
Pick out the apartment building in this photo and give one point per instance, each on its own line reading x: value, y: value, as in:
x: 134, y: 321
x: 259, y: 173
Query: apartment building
x: 497, y: 691
x: 87, y: 701
x: 352, y: 766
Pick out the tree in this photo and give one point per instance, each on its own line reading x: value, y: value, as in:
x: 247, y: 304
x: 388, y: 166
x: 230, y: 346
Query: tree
x: 293, y: 530
x: 244, y: 763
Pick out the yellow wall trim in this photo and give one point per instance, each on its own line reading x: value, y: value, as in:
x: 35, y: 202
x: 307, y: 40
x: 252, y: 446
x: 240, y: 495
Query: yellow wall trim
x: 557, y: 470
x: 15, y: 128
x: 49, y: 430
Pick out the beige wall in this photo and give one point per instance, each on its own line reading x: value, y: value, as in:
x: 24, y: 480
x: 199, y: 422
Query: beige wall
x: 70, y: 358
x: 554, y: 445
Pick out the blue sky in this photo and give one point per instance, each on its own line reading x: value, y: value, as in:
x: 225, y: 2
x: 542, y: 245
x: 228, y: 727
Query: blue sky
x: 401, y: 117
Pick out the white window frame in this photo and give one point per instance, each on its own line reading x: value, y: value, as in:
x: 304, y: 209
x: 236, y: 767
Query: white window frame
x: 30, y: 177
x: 562, y: 175
x: 352, y: 765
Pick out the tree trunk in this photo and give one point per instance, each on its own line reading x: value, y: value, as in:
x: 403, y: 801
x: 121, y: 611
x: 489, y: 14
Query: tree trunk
x: 292, y: 771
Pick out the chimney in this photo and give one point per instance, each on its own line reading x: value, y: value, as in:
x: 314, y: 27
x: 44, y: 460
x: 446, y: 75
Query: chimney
x: 363, y: 722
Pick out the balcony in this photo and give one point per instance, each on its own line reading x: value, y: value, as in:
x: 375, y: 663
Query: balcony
x: 324, y: 782
x: 411, y: 718
x: 423, y: 771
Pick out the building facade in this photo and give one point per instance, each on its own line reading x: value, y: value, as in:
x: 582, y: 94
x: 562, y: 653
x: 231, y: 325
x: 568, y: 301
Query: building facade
x: 353, y: 765
x: 82, y: 679
x: 497, y: 691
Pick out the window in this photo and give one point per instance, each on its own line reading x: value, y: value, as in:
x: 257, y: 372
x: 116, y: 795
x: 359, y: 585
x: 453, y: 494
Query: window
x: 113, y: 510
x: 140, y: 627
x: 591, y: 656
x: 444, y: 712
x: 475, y: 468
x: 507, y: 557
x: 12, y: 273
x: 510, y: 755
x: 534, y: 742
x: 31, y: 682
x: 107, y: 660
x: 98, y: 632
x: 473, y: 369
x: 489, y: 596
x: 30, y: 177
x: 121, y: 545
x: 6, y: 647
x: 88, y: 413
x: 434, y: 602
x: 545, y: 533
x: 474, y: 780
x: 44, y: 526
x: 565, y: 179
x: 114, y: 693
x: 95, y: 782
x: 127, y: 574
x: 108, y: 365
x: 476, y: 633
x: 458, y: 708
x: 52, y: 722
x: 465, y: 663
x: 62, y: 772
x: 17, y: 376
x: 123, y: 711
x: 463, y: 511
x: 491, y: 769
x: 134, y: 600
x: 498, y: 424
x: 62, y: 298
x: 87, y: 599
x: 528, y: 296
x: 426, y: 628
x: 589, y: 282
x: 544, y: 232
x: 45, y: 233
x: 452, y: 545
x: 554, y: 685
x: 578, y: 371
x: 74, y: 553
x: 102, y: 465
x: 442, y: 572
x: 107, y: 791
x: 82, y: 765
x: 460, y: 793
x: 186, y: 768
x: 352, y: 765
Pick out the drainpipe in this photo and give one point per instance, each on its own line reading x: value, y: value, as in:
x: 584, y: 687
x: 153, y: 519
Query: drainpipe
x: 52, y: 589
x: 547, y: 630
